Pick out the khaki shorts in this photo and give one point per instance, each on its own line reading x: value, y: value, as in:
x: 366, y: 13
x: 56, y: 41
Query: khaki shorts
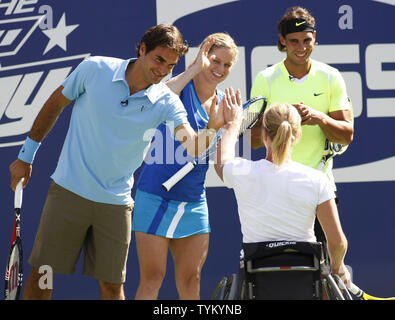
x: 70, y: 223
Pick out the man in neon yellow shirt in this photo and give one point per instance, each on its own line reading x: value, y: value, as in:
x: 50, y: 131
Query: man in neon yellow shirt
x: 316, y: 89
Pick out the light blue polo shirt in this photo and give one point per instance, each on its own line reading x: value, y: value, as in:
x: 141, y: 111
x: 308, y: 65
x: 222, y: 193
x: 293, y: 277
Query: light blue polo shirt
x: 107, y: 140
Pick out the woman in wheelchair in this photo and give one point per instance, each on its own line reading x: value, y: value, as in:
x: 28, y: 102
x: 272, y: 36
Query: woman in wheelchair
x: 278, y: 201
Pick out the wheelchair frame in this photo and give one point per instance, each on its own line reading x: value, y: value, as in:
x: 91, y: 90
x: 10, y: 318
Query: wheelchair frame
x: 240, y: 286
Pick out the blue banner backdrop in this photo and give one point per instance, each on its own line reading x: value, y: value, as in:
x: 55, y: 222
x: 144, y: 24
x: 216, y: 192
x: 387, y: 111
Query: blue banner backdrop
x: 41, y: 42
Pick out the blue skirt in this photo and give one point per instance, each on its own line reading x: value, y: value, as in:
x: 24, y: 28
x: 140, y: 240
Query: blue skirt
x: 169, y: 218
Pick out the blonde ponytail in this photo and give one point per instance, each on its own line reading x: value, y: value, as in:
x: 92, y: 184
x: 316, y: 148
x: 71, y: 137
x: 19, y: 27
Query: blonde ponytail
x: 283, y: 125
x: 282, y: 143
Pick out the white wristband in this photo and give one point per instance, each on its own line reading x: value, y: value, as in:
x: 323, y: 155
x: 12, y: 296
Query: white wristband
x: 211, y: 132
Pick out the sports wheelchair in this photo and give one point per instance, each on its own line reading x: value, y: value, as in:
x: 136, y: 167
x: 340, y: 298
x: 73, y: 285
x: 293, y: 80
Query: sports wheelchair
x: 282, y: 270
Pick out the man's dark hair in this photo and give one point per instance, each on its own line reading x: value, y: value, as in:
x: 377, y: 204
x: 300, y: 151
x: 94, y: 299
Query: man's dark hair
x: 294, y: 14
x: 163, y: 35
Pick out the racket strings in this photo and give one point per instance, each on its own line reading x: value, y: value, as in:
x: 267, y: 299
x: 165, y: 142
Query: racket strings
x: 249, y: 118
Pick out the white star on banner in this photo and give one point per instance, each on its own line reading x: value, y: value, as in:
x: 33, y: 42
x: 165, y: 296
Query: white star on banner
x: 57, y: 36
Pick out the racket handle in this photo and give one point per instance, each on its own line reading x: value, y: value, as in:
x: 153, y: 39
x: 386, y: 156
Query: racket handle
x: 167, y: 185
x: 18, y: 195
x: 355, y: 290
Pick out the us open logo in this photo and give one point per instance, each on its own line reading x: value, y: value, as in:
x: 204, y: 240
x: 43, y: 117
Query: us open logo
x: 33, y: 63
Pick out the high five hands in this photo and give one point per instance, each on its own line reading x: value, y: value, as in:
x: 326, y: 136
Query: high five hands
x: 229, y: 110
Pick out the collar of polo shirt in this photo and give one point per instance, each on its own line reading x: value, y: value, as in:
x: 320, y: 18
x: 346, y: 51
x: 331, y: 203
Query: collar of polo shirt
x: 153, y: 92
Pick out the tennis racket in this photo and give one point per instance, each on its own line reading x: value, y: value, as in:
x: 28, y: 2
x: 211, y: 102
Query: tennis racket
x: 331, y: 150
x: 359, y: 293
x: 334, y: 149
x: 253, y: 109
x: 14, y: 270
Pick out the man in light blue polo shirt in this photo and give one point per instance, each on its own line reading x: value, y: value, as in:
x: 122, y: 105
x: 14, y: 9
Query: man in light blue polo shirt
x: 110, y: 146
x: 89, y: 203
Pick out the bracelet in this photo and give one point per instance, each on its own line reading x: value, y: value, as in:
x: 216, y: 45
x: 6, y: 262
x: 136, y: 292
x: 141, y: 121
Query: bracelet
x: 28, y: 150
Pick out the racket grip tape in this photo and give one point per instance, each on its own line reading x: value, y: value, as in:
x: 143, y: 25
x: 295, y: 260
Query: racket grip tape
x: 167, y: 185
x: 355, y: 290
x: 18, y: 195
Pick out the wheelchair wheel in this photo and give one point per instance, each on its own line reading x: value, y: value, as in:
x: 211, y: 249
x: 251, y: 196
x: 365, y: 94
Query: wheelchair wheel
x: 219, y: 291
x: 233, y: 288
x: 342, y: 286
x: 227, y: 288
x: 332, y: 289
